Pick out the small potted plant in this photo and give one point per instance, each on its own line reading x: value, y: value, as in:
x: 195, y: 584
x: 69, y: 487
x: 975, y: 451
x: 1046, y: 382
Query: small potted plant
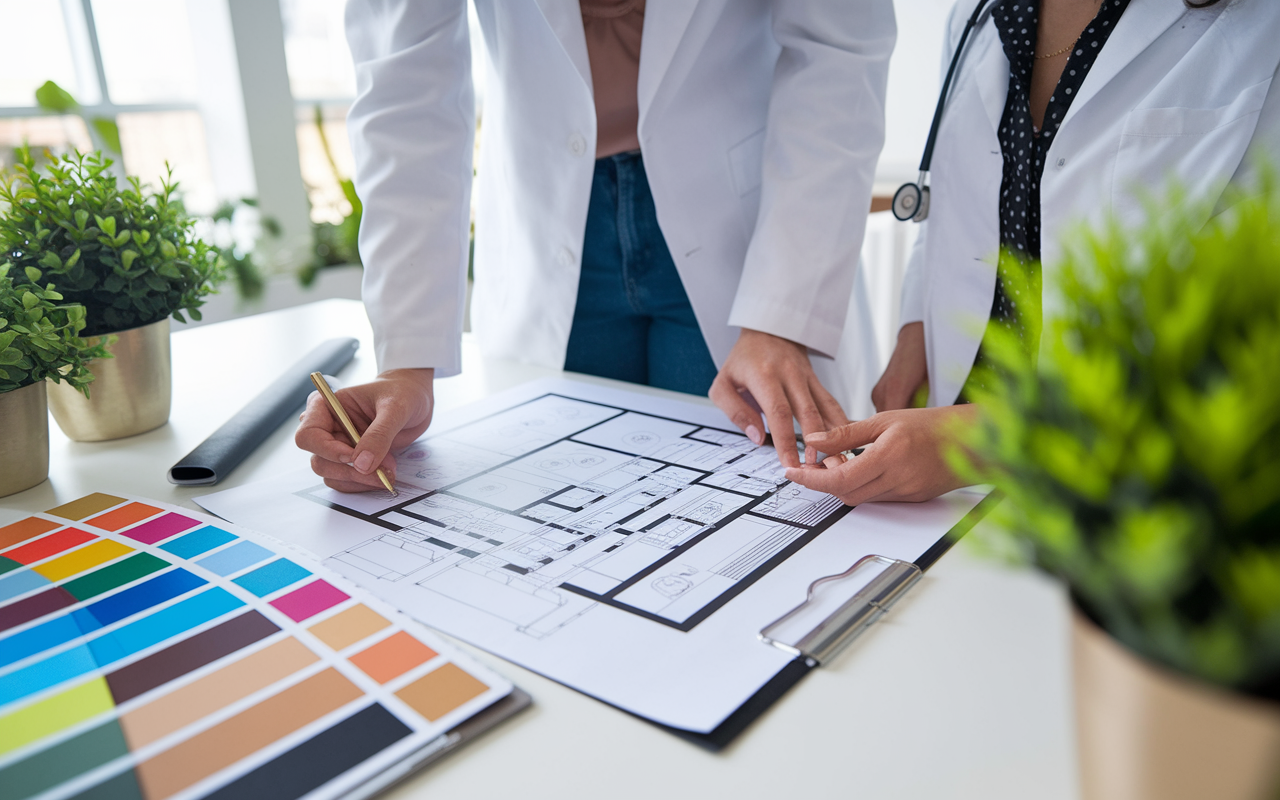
x: 39, y: 339
x: 126, y: 253
x: 1141, y: 462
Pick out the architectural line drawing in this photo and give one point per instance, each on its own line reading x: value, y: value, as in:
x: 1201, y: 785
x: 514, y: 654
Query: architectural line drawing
x: 542, y: 512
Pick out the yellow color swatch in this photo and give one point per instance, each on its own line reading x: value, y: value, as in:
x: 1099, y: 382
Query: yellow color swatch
x: 53, y: 714
x: 80, y: 560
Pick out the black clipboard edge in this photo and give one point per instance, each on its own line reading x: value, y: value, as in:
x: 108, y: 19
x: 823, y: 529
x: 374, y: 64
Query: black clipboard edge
x: 737, y: 722
x: 464, y: 732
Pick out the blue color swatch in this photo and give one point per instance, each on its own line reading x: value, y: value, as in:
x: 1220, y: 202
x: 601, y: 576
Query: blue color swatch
x: 235, y: 558
x: 197, y: 542
x: 276, y: 575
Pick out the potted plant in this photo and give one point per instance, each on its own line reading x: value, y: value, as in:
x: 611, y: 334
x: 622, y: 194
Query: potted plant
x: 39, y: 339
x: 126, y: 253
x: 1141, y: 462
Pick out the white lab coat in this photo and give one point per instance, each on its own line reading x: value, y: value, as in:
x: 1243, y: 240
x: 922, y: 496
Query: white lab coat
x: 1175, y: 93
x: 760, y: 125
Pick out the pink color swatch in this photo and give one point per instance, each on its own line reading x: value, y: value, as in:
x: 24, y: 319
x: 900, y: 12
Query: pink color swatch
x: 160, y: 528
x: 309, y: 600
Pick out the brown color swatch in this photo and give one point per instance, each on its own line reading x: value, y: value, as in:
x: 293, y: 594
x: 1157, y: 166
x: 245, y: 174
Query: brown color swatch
x: 441, y: 691
x: 214, y: 691
x: 188, y: 655
x: 86, y: 506
x: 392, y: 657
x: 24, y: 529
x: 123, y: 517
x: 345, y: 629
x: 245, y: 733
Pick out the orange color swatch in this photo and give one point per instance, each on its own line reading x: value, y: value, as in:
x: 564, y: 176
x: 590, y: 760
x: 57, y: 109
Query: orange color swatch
x: 124, y: 516
x: 25, y: 529
x: 392, y: 657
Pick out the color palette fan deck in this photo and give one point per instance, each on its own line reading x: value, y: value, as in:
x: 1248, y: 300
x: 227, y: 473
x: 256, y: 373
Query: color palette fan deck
x: 148, y: 652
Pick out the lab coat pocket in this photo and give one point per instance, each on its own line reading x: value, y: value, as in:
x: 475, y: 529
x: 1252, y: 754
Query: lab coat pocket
x: 1198, y: 148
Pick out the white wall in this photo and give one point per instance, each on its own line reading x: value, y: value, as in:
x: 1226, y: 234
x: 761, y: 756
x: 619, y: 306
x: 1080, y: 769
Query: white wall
x: 913, y: 87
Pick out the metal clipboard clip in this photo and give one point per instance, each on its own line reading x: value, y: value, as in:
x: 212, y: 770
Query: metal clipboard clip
x: 854, y: 616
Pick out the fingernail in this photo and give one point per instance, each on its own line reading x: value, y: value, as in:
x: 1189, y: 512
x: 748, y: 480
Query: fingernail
x: 345, y: 459
x: 810, y: 454
x: 364, y: 462
x: 753, y: 433
x: 831, y: 462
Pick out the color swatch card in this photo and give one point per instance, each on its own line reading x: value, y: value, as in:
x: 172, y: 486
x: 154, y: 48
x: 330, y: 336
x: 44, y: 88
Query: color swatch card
x: 148, y: 652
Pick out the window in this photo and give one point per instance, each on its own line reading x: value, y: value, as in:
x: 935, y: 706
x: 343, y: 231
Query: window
x: 129, y: 61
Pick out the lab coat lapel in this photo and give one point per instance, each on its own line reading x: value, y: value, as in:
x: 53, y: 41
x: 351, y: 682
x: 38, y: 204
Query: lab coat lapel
x: 991, y: 72
x: 565, y: 18
x: 664, y: 25
x: 1141, y: 24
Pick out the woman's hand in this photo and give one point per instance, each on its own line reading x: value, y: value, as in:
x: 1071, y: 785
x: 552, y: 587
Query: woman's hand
x: 390, y: 412
x: 907, y: 371
x: 902, y: 459
x: 776, y: 374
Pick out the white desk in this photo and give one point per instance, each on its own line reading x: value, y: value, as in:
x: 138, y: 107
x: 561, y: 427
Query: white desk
x: 961, y: 692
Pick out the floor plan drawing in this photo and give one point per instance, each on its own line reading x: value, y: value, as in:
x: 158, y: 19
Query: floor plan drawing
x: 628, y: 544
x: 543, y: 511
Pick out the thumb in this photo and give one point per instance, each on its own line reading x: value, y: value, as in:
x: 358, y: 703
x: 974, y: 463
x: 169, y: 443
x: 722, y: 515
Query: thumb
x: 846, y: 437
x: 389, y: 419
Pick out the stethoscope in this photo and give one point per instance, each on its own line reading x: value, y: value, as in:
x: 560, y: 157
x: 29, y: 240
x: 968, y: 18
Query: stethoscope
x: 911, y: 201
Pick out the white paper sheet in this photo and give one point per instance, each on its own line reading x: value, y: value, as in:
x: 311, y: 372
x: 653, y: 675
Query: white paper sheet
x: 627, y: 546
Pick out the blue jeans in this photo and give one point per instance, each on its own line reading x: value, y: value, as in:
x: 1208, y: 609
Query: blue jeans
x: 633, y: 321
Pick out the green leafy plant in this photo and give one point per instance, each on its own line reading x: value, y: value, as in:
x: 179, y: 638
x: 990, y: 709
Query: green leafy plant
x: 333, y: 244
x: 103, y: 130
x: 1141, y: 456
x: 128, y: 255
x: 39, y: 336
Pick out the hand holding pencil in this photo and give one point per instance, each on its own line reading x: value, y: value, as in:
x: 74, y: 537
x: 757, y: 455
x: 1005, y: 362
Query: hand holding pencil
x: 386, y: 416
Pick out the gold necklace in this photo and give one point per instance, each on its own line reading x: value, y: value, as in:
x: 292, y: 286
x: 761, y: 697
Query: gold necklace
x: 1057, y: 52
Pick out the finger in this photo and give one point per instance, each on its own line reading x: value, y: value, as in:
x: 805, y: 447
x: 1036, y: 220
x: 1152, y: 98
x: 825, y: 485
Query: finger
x: 391, y: 414
x: 778, y: 416
x: 833, y: 415
x: 844, y: 481
x: 847, y: 437
x: 736, y: 407
x: 317, y: 432
x: 344, y: 474
x: 804, y: 407
x: 348, y: 486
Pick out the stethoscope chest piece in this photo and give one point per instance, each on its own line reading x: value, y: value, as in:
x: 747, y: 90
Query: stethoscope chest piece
x: 911, y: 202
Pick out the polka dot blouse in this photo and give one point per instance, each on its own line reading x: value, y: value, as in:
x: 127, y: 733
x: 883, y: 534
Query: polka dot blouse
x: 1024, y: 149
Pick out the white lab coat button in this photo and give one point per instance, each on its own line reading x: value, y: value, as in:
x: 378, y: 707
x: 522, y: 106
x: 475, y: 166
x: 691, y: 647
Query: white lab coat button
x: 566, y: 257
x: 1062, y: 162
x: 577, y: 145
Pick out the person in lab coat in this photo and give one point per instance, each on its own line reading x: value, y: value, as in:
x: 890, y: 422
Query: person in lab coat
x: 1062, y: 111
x: 669, y: 192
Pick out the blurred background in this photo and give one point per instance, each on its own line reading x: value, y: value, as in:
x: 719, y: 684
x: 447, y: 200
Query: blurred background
x: 246, y: 101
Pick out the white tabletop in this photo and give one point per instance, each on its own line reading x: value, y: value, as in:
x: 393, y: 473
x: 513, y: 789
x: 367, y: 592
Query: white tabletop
x: 962, y: 691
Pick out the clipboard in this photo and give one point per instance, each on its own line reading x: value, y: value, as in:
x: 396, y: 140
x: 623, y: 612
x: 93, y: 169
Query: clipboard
x: 515, y: 702
x: 836, y: 631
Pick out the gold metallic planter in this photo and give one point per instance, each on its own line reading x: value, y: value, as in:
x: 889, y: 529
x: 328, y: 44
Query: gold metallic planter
x: 24, y: 438
x: 1147, y: 734
x: 130, y: 393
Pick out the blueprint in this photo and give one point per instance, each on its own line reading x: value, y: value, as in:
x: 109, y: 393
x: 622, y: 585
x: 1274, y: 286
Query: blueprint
x: 600, y: 537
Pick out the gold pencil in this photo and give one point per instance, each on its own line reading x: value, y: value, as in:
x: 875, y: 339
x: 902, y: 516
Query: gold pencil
x: 341, y: 413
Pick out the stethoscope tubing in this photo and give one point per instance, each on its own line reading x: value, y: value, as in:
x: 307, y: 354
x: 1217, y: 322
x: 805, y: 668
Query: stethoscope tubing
x: 911, y: 201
